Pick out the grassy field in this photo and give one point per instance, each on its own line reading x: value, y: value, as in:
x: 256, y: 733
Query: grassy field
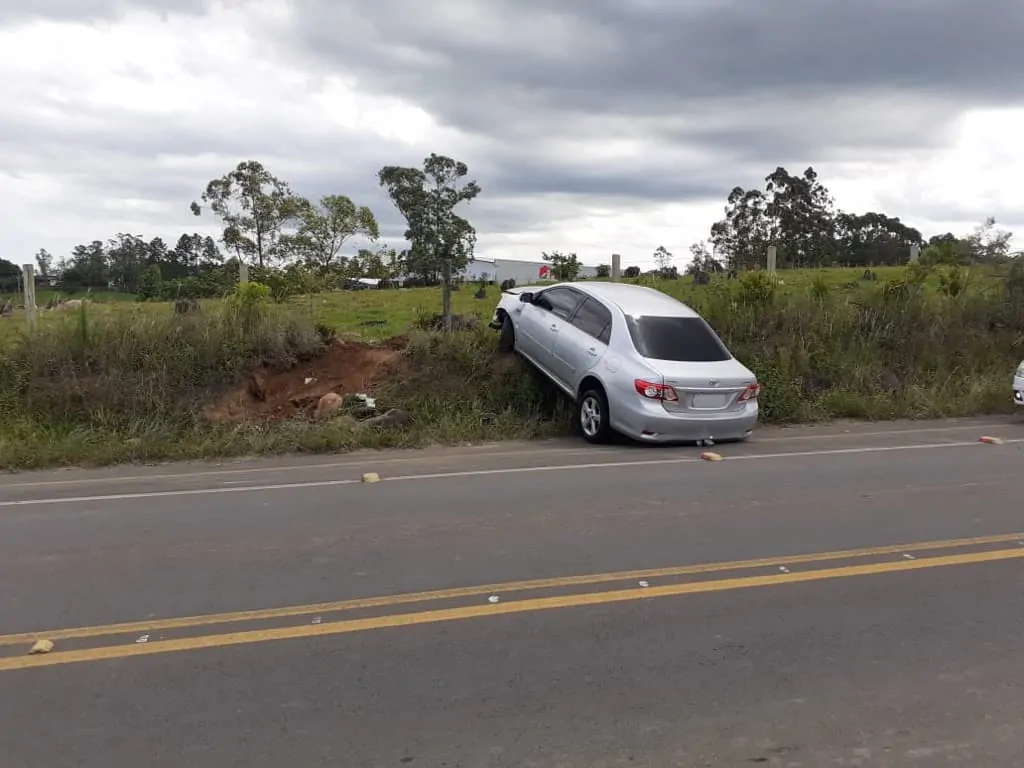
x: 373, y: 314
x: 130, y: 381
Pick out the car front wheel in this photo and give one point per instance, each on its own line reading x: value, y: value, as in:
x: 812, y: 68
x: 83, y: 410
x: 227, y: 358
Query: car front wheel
x: 507, y: 339
x: 592, y: 416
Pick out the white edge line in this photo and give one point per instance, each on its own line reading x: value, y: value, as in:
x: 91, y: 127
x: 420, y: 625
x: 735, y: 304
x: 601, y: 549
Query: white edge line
x: 688, y: 460
x: 485, y: 472
x: 455, y: 455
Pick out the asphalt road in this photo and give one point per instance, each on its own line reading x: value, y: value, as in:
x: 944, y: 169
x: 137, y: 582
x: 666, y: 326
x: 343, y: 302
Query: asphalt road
x: 843, y: 596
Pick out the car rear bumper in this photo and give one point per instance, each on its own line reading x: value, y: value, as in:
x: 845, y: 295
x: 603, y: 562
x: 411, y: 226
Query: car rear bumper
x: 649, y: 422
x: 1018, y: 390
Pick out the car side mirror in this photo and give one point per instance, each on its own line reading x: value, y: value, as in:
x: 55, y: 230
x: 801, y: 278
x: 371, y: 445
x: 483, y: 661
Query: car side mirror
x: 526, y: 298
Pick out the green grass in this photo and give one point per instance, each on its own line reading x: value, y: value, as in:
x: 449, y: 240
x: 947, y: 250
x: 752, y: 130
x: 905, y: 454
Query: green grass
x: 373, y: 314
x: 127, y: 381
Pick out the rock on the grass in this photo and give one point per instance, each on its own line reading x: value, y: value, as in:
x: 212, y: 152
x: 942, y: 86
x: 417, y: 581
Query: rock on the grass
x: 395, y: 417
x: 258, y: 386
x: 327, y: 405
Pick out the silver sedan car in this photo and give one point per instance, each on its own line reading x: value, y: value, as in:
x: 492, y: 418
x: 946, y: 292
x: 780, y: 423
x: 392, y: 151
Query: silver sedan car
x: 633, y: 360
x: 1018, y: 385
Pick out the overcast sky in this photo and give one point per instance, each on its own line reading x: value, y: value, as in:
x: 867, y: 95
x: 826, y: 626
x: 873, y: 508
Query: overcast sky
x: 607, y: 126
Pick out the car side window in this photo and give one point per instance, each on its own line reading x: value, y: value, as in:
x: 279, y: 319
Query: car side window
x: 559, y: 301
x: 594, y: 319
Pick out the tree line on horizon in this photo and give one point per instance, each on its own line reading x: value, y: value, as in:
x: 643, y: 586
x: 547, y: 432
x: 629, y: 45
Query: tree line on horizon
x: 282, y: 235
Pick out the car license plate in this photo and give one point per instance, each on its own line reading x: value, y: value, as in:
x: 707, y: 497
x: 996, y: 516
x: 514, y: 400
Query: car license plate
x: 710, y: 401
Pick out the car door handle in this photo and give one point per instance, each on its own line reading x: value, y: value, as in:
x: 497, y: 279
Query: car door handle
x: 592, y: 352
x: 554, y: 327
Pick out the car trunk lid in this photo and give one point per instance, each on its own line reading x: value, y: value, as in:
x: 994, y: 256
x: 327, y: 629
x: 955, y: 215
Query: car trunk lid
x: 704, y: 387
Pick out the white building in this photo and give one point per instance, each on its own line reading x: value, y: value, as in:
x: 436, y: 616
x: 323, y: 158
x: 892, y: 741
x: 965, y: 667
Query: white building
x: 523, y: 272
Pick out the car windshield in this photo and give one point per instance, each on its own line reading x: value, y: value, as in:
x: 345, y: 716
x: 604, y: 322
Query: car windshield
x: 683, y: 339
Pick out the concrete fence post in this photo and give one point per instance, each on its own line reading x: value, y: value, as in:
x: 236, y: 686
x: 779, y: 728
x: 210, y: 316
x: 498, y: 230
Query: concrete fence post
x: 771, y: 259
x: 616, y: 267
x: 30, y: 295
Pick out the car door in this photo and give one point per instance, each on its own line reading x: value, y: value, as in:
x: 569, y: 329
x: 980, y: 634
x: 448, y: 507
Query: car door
x: 543, y: 319
x: 582, y: 343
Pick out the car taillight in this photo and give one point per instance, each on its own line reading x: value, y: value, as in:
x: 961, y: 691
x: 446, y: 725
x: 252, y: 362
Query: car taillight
x: 654, y: 391
x: 751, y: 392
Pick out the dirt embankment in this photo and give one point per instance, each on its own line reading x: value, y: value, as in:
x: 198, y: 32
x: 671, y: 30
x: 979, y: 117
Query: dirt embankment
x: 347, y: 368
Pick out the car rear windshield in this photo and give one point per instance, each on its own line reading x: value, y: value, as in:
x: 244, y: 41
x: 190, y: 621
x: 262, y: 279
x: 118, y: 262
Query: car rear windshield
x: 684, y: 339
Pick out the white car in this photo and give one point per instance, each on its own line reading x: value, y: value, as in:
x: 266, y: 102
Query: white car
x: 633, y: 360
x: 1018, y: 385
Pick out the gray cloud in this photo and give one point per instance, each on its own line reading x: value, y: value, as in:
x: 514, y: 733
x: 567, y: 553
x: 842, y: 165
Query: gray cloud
x: 744, y: 86
x: 79, y: 10
x: 710, y: 93
x: 653, y: 57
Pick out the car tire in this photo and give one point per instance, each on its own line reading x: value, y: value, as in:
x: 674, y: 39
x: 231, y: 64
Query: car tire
x: 507, y: 337
x: 592, y: 416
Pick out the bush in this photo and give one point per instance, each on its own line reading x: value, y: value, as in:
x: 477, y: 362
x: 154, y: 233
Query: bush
x: 895, y: 350
x: 125, y: 374
x: 464, y: 389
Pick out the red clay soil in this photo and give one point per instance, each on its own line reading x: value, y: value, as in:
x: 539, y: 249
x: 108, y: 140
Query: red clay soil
x: 347, y: 368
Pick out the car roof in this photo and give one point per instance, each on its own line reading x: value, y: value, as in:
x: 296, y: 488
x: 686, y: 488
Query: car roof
x: 636, y: 300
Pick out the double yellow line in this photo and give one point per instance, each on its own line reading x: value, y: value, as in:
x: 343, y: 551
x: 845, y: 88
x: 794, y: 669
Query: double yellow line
x: 908, y: 562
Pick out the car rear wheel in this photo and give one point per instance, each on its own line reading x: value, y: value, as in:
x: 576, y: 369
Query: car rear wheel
x: 592, y: 416
x: 507, y: 338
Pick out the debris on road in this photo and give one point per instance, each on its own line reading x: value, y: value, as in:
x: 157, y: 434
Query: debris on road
x: 711, y: 456
x: 371, y: 477
x: 493, y: 599
x: 41, y: 646
x: 990, y: 440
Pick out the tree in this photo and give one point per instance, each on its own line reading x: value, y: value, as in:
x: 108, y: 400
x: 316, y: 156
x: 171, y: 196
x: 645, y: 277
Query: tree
x: 873, y: 238
x: 702, y: 260
x: 793, y: 213
x: 395, y: 262
x: 255, y: 208
x: 127, y: 256
x: 662, y: 259
x: 325, y: 228
x: 420, y: 263
x: 945, y: 252
x: 801, y: 218
x: 743, y: 236
x: 564, y: 266
x: 441, y: 240
x: 385, y: 263
x: 191, y: 255
x: 150, y: 283
x: 604, y: 270
x: 87, y: 267
x: 373, y: 264
x: 44, y: 260
x: 10, y: 277
x: 631, y: 272
x: 987, y: 244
